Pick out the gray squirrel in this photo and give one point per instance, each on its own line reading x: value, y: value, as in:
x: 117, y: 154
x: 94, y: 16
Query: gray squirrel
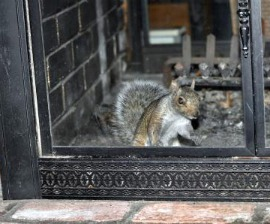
x: 148, y: 114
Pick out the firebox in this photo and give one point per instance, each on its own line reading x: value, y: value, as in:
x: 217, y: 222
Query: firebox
x: 64, y: 62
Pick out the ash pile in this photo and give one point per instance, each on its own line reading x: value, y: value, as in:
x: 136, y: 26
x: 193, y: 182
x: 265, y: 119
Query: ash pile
x: 221, y: 121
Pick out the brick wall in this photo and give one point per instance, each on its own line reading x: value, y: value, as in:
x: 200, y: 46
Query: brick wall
x: 81, y: 44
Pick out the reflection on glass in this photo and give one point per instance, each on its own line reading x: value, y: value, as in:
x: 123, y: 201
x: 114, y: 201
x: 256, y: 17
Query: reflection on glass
x: 170, y: 20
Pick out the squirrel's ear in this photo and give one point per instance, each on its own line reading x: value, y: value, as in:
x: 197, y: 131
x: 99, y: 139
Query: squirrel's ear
x: 193, y: 84
x: 174, y: 86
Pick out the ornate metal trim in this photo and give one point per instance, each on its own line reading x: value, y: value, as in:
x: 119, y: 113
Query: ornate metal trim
x: 243, y: 14
x: 193, y: 179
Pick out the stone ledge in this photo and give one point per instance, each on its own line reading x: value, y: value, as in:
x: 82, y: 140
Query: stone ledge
x: 176, y: 212
x: 6, y: 206
x: 89, y: 211
x: 72, y: 211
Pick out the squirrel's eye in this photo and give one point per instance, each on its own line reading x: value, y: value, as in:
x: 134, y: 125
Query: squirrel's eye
x: 181, y: 100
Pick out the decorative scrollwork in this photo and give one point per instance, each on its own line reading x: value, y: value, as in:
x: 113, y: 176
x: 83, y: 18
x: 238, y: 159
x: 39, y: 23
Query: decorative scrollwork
x: 79, y: 178
x: 243, y: 14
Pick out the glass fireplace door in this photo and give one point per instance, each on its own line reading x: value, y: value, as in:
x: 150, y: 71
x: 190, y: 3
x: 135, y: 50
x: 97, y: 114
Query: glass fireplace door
x: 191, y: 40
x: 71, y: 54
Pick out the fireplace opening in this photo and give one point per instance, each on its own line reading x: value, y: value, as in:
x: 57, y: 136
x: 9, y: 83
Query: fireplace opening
x: 63, y: 64
x: 93, y: 48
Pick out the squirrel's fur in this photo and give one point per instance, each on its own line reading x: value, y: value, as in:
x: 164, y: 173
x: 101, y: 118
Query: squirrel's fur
x: 148, y: 114
x: 128, y: 109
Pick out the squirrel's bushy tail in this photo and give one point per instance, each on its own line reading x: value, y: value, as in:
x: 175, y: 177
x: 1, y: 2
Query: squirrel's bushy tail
x: 130, y: 105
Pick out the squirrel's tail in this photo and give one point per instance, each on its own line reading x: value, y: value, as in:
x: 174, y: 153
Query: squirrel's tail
x: 130, y: 105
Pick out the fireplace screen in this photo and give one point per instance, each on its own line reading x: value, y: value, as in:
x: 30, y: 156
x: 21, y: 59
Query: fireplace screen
x: 135, y: 99
x: 84, y: 93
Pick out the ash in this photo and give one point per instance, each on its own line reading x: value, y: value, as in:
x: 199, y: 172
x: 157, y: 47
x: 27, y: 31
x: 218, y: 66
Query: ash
x: 221, y: 121
x: 219, y: 125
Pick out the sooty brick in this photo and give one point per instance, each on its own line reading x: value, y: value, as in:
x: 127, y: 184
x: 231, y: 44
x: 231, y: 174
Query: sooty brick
x: 111, y: 24
x: 120, y: 2
x: 74, y: 88
x: 110, y: 52
x: 56, y: 103
x: 95, y: 42
x: 50, y: 35
x: 51, y: 7
x: 82, y: 48
x: 92, y: 70
x: 87, y: 13
x: 68, y: 24
x: 107, y: 5
x: 120, y: 17
x: 99, y: 93
x: 106, y: 29
x: 112, y: 21
x: 60, y: 65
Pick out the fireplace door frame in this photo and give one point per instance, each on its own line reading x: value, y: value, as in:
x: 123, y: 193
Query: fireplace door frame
x: 32, y: 168
x: 259, y: 84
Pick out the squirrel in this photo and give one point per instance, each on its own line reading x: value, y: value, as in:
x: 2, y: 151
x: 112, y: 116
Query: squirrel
x: 148, y: 114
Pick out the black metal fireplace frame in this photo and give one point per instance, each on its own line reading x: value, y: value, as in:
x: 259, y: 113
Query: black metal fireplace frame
x: 33, y: 169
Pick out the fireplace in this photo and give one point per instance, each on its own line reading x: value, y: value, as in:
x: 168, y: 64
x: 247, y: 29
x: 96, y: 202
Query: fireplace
x: 63, y: 62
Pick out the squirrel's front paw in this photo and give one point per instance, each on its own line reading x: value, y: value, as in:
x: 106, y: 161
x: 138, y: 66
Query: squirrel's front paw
x: 197, y: 139
x: 160, y: 144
